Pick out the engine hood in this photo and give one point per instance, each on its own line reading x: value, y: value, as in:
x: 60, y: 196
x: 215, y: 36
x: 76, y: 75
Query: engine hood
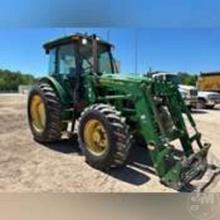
x: 126, y: 77
x: 186, y: 87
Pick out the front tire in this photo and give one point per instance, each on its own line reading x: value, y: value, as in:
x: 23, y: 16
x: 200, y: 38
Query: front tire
x: 201, y: 103
x: 44, y: 113
x: 103, y: 137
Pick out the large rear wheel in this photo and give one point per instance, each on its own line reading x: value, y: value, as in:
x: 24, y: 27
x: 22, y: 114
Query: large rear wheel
x: 44, y: 113
x: 104, y: 137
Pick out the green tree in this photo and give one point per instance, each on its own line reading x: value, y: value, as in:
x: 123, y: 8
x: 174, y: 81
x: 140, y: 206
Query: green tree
x: 10, y: 80
x: 187, y: 79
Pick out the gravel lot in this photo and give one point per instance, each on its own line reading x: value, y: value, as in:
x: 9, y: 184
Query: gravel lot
x: 26, y: 166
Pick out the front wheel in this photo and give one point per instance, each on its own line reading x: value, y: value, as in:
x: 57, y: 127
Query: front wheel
x: 103, y: 137
x: 201, y: 103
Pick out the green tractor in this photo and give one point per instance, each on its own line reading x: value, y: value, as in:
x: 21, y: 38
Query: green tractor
x: 85, y: 92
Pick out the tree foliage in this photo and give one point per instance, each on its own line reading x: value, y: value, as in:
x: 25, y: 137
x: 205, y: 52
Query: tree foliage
x: 9, y: 80
x: 187, y: 79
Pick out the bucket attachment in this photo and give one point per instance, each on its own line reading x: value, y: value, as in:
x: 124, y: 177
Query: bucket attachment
x: 174, y: 171
x: 187, y: 170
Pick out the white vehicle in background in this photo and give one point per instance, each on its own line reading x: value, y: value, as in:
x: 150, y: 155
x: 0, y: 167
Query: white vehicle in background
x: 208, y: 99
x: 208, y: 85
x: 189, y: 93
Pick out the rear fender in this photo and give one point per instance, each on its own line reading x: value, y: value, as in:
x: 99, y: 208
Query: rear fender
x: 64, y: 97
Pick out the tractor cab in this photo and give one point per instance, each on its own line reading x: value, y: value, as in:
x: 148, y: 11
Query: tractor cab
x: 72, y: 57
x: 78, y: 54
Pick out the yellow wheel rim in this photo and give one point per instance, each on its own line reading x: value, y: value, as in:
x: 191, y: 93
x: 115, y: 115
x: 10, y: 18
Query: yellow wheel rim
x: 95, y: 137
x: 38, y: 115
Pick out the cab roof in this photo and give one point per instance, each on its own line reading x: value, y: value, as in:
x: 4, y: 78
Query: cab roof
x: 70, y: 39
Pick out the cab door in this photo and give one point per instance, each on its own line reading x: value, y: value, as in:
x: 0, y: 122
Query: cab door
x: 66, y: 67
x: 62, y: 66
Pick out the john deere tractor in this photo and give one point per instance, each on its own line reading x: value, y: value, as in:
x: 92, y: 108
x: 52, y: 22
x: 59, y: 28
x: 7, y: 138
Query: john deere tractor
x: 85, y: 92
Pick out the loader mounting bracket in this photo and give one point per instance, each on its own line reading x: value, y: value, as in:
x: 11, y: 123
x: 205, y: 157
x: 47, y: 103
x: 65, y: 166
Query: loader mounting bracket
x: 190, y: 168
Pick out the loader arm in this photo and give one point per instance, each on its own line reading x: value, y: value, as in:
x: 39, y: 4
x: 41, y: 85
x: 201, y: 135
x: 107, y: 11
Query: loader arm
x: 145, y: 96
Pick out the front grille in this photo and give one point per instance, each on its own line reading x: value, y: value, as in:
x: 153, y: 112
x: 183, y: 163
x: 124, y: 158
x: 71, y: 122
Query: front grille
x: 193, y: 92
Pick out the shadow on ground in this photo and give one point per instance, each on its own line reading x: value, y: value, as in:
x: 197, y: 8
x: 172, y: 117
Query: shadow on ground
x: 138, y: 161
x: 131, y: 173
x: 215, y: 109
x: 199, y: 111
x: 135, y: 172
x: 66, y: 146
x: 204, y: 111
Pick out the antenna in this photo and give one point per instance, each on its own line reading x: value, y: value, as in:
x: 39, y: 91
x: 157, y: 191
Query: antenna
x: 108, y: 35
x: 65, y: 31
x: 136, y: 51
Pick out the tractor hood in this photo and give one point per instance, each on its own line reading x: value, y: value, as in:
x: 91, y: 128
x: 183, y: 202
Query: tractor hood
x: 126, y: 77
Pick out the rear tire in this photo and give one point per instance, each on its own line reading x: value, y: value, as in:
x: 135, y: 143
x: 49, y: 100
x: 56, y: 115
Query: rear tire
x: 51, y: 129
x: 115, y: 139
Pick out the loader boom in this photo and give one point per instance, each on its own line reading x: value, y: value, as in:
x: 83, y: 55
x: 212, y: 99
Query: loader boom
x: 146, y: 94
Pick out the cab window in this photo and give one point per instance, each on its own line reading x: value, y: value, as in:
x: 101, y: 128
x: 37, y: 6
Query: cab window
x: 66, y: 60
x: 52, y: 61
x: 105, y: 62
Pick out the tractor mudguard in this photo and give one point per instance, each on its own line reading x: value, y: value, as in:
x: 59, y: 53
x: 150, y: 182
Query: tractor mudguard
x: 64, y: 96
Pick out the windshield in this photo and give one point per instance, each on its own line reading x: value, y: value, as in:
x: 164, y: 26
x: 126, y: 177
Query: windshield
x: 173, y: 78
x: 105, y: 62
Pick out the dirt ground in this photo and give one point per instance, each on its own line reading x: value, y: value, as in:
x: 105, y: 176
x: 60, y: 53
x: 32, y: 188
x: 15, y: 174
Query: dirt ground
x: 26, y: 166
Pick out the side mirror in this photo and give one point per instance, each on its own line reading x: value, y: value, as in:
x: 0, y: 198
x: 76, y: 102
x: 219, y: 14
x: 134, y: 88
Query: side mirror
x: 47, y: 51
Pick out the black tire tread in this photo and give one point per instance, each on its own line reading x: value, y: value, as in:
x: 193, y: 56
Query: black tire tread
x: 52, y: 131
x: 121, y: 135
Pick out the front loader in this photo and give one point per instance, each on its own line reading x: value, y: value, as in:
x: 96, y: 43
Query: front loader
x: 112, y: 109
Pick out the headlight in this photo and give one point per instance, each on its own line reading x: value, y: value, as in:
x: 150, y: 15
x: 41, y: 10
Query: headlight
x: 84, y: 41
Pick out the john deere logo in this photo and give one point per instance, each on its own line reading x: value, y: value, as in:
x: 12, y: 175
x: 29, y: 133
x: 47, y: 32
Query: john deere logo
x: 203, y: 206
